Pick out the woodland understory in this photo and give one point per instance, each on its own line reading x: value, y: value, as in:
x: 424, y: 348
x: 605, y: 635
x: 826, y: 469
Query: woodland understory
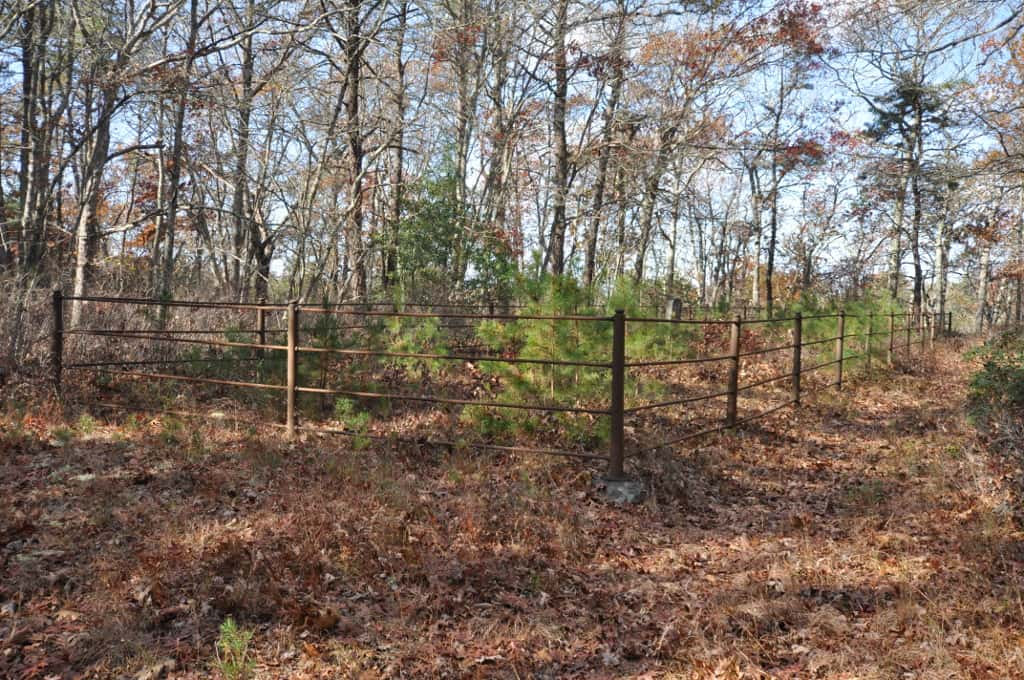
x: 432, y: 210
x: 869, y: 534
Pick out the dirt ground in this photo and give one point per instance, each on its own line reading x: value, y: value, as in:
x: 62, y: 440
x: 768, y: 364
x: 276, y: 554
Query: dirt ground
x: 865, y: 535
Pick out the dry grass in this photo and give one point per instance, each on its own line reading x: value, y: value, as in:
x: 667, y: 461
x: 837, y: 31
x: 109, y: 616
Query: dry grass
x: 865, y: 536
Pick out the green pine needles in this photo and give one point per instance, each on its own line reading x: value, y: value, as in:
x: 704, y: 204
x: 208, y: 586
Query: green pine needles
x: 232, y: 657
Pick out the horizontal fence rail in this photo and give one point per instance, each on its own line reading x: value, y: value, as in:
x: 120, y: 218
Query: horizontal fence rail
x: 783, y: 362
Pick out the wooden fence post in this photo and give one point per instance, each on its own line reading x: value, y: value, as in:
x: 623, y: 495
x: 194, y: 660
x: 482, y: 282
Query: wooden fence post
x: 734, y: 371
x: 616, y: 453
x: 293, y: 339
x: 892, y: 339
x: 57, y: 343
x: 798, y: 322
x: 840, y: 341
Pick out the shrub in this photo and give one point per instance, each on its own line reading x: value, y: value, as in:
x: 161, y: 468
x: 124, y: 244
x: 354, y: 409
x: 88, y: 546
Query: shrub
x: 352, y: 418
x: 543, y: 339
x: 414, y: 336
x: 858, y: 316
x: 996, y: 397
x: 563, y: 340
x: 196, y: 449
x: 171, y: 431
x: 86, y: 424
x: 63, y: 434
x: 492, y: 423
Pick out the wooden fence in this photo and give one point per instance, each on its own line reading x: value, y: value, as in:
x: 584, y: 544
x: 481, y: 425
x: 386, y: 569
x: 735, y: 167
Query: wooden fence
x: 881, y: 337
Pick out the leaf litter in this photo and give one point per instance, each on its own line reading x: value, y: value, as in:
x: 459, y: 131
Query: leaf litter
x: 864, y: 536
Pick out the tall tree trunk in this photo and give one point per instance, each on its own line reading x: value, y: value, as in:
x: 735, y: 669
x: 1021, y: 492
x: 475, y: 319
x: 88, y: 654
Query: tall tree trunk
x: 161, y: 210
x: 916, y: 193
x: 620, y: 196
x: 356, y: 256
x: 697, y: 236
x: 915, y: 243
x: 262, y: 254
x: 673, y: 243
x: 177, y: 151
x: 651, y: 189
x: 895, y: 238
x: 398, y: 171
x: 239, y: 204
x: 617, y: 56
x: 942, y: 258
x: 773, y: 230
x: 87, y: 227
x: 560, y: 180
x: 38, y: 120
x: 757, y: 231
x: 984, y: 277
x: 646, y: 225
x: 1018, y: 312
x: 467, y: 65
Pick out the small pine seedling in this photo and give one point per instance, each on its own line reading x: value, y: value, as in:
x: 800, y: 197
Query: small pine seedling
x: 233, y: 660
x: 86, y: 424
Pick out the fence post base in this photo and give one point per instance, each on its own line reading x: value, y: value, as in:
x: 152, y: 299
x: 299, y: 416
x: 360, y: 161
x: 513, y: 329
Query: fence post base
x: 615, y: 486
x: 621, y: 491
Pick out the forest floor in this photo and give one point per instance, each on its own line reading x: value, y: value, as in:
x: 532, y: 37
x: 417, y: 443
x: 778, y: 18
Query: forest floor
x: 865, y: 535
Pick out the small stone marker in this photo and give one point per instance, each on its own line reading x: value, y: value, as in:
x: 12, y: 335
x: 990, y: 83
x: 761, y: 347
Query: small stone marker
x: 621, y: 491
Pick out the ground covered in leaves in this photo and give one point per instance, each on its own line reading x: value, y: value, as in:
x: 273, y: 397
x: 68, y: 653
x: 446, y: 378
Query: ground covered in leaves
x: 866, y: 535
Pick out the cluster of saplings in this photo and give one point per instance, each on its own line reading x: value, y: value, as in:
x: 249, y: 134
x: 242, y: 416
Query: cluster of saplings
x: 518, y: 383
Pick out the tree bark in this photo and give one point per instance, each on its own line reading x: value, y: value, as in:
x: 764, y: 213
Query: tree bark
x: 916, y: 194
x: 240, y: 178
x: 651, y: 190
x: 87, y: 226
x: 757, y: 231
x: 560, y: 178
x: 984, y: 277
x: 390, y: 268
x: 895, y: 245
x: 39, y: 116
x: 617, y: 56
x: 177, y: 151
x: 773, y: 230
x: 355, y: 251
